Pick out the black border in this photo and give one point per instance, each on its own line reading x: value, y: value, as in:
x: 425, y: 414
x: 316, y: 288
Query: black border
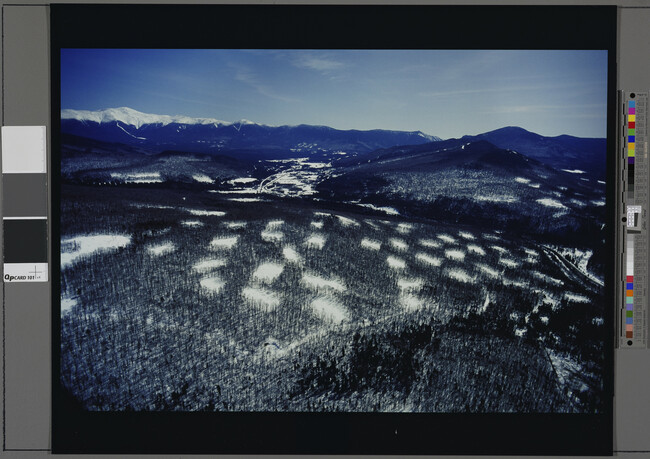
x: 321, y: 27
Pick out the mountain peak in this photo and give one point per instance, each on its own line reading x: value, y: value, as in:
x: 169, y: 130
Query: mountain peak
x: 131, y: 117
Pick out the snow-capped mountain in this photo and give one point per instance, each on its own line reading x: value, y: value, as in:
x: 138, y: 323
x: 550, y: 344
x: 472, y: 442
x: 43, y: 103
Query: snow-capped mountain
x: 207, y: 135
x: 134, y: 118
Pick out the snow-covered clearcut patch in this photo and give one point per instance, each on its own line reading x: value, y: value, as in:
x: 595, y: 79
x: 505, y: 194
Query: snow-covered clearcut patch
x: 202, y: 178
x: 328, y: 309
x: 261, y: 298
x: 317, y: 282
x: 191, y: 223
x: 466, y: 235
x: 430, y: 243
x: 206, y: 213
x: 404, y: 228
x: 345, y: 221
x: 396, y: 263
x: 290, y: 254
x: 399, y: 244
x: 208, y: 265
x: 370, y: 244
x: 72, y: 249
x: 509, y: 262
x: 410, y: 284
x: 460, y: 275
x: 272, y: 236
x: 427, y: 259
x: 475, y: 249
x: 161, y: 249
x: 212, y: 284
x: 457, y: 255
x: 447, y: 238
x: 224, y: 242
x: 315, y: 241
x: 268, y: 272
x: 548, y: 202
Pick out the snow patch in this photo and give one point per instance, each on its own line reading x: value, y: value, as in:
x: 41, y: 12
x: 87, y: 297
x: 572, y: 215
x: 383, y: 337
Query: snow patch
x: 192, y: 223
x: 429, y: 260
x: 67, y: 303
x: 447, y: 238
x: 314, y: 281
x: 268, y: 272
x: 213, y: 284
x: 318, y: 225
x: 396, y: 263
x: 370, y: 244
x: 404, y: 228
x: 509, y: 262
x: 475, y: 249
x: 272, y: 236
x: 522, y: 180
x: 466, y: 235
x: 573, y: 171
x: 72, y: 249
x: 576, y: 298
x: 488, y: 270
x: 315, y: 241
x: 224, y: 242
x: 345, y: 221
x: 202, y: 178
x: 457, y: 255
x: 460, y: 275
x: 429, y: 243
x: 548, y: 202
x: 161, y: 249
x: 291, y: 255
x: 328, y: 309
x: 264, y: 299
x: 207, y: 265
x: 201, y: 212
x: 410, y: 284
x: 398, y: 244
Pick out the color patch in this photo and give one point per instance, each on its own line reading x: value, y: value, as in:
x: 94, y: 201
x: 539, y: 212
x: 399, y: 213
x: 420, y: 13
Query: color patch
x: 25, y: 241
x: 631, y: 115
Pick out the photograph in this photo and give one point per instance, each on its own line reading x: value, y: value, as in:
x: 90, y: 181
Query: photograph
x: 333, y: 230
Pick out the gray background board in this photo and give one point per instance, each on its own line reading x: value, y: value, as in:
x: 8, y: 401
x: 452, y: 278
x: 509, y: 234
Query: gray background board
x: 26, y: 307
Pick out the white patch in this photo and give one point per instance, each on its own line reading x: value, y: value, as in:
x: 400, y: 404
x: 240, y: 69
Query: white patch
x: 142, y: 177
x: 598, y: 321
x: 404, y: 228
x: 386, y: 210
x: 573, y: 171
x: 410, y: 284
x: 545, y: 278
x: 328, y: 309
x: 498, y: 249
x: 520, y: 332
x: 399, y: 244
x: 396, y: 263
x: 247, y: 199
x: 315, y: 241
x: 411, y: 302
x: 67, y: 304
x: 531, y: 252
x: 597, y: 203
x: 533, y: 185
x: 224, y: 242
x: 268, y: 272
x: 201, y: 212
x: 272, y: 236
x: 497, y: 198
x: 577, y: 202
x: 214, y: 284
x: 466, y: 235
x: 345, y: 221
x: 447, y: 238
x: 475, y: 249
x: 235, y: 225
x: 548, y: 202
x: 509, y: 262
x: 601, y: 182
x: 457, y: 255
x: 544, y: 320
x: 208, y: 265
x: 291, y: 255
x: 460, y: 275
x: 161, y: 249
x: 522, y: 180
x: 314, y: 281
x: 486, y: 303
x: 492, y: 237
x: 318, y: 225
x: 242, y: 180
x: 262, y: 298
x: 576, y: 298
x: 191, y: 223
x: 87, y: 245
x: 429, y: 260
x: 370, y: 244
x: 322, y: 214
x: 429, y: 243
x: 202, y: 178
x: 488, y: 270
x: 274, y: 224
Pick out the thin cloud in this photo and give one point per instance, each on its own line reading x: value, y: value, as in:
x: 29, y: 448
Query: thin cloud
x: 248, y: 77
x: 319, y: 64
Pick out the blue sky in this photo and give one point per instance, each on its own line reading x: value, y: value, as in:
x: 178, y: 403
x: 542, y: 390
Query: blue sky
x: 448, y: 93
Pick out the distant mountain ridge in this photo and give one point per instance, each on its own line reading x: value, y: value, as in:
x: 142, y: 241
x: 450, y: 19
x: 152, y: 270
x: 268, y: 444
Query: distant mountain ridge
x: 209, y: 135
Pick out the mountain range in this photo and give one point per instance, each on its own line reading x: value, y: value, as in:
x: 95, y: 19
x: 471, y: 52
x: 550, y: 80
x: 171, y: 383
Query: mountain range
x: 207, y: 135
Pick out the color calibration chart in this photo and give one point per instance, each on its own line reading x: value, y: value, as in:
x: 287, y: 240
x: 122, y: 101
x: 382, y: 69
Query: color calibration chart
x: 24, y: 204
x: 634, y: 314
